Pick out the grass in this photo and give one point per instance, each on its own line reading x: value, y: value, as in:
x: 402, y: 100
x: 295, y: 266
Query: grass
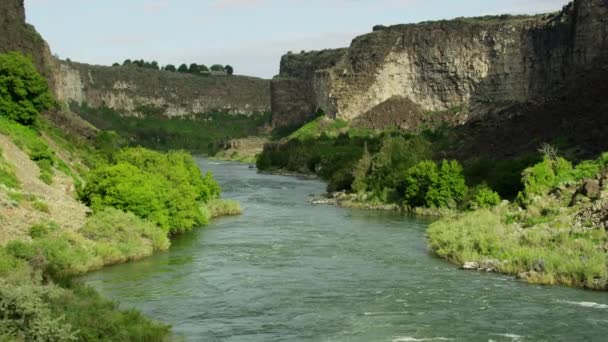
x: 222, y: 207
x: 321, y: 125
x: 544, y: 243
x: 7, y: 174
x: 542, y: 254
x: 30, y: 141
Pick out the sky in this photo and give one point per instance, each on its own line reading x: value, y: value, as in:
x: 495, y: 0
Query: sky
x: 250, y: 35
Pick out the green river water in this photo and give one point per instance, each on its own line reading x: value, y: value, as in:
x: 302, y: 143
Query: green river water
x: 290, y: 271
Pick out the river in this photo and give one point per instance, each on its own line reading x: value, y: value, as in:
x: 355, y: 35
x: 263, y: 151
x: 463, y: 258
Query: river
x: 290, y: 271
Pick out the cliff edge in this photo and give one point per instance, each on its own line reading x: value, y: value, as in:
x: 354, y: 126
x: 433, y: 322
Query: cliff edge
x: 476, y: 65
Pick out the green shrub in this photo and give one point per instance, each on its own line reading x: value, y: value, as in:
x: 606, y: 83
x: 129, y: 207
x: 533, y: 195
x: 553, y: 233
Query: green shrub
x: 166, y: 189
x: 97, y: 319
x: 8, y: 262
x: 395, y: 157
x: 541, y: 177
x: 24, y: 93
x: 26, y: 313
x: 7, y: 174
x: 34, y: 311
x: 222, y: 207
x: 427, y: 185
x: 484, y: 197
x: 42, y: 229
x: 574, y: 259
x: 122, y: 237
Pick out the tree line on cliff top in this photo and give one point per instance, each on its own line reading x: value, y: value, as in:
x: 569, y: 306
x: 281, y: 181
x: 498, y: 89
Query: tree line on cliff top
x: 193, y: 68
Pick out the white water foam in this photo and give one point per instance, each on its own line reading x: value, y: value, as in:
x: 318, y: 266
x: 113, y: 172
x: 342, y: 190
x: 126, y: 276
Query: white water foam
x: 513, y: 337
x: 585, y: 304
x: 413, y: 339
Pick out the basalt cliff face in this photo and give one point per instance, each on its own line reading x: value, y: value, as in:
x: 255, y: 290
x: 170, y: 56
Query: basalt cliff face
x: 128, y: 89
x: 17, y: 35
x: 470, y: 67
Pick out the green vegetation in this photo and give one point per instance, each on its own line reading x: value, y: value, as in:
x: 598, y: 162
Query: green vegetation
x: 7, y: 174
x: 427, y: 185
x: 389, y: 167
x: 166, y: 189
x: 198, y: 135
x: 195, y: 69
x: 30, y: 140
x: 23, y: 91
x: 558, y: 238
x: 36, y: 310
x: 139, y: 197
x: 221, y: 207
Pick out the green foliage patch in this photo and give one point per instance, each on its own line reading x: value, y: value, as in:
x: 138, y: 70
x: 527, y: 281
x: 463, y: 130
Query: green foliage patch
x: 166, y: 189
x: 199, y: 134
x: 24, y: 93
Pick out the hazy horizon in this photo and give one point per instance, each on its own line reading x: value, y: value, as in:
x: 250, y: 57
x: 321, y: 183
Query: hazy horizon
x: 250, y: 35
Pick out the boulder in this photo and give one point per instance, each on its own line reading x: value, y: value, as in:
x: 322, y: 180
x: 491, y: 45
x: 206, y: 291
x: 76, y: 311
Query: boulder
x: 470, y: 265
x: 591, y: 188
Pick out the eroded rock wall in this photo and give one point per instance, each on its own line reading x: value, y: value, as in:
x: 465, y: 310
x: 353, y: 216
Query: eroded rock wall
x: 476, y: 64
x: 129, y: 89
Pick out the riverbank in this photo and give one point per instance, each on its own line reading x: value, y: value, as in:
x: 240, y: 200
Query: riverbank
x: 288, y: 270
x: 556, y: 233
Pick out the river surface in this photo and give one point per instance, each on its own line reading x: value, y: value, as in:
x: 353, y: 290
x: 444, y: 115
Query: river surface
x: 290, y: 271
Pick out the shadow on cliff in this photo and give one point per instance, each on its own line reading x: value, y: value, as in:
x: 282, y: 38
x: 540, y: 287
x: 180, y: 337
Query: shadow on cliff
x: 574, y: 117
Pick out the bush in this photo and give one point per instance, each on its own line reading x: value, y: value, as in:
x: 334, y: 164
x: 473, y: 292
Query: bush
x: 166, y: 189
x: 427, y: 185
x: 26, y: 314
x: 484, y: 197
x: 122, y: 237
x: 24, y: 93
x: 125, y: 187
x: 541, y: 255
x: 541, y: 177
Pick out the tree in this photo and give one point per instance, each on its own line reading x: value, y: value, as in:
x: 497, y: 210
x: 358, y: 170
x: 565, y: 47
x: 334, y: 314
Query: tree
x: 182, y: 68
x: 427, y: 185
x: 194, y: 69
x: 170, y: 67
x: 127, y: 62
x: 229, y: 69
x: 203, y: 68
x: 361, y: 170
x: 154, y: 65
x: 115, y: 65
x: 24, y: 93
x: 217, y: 67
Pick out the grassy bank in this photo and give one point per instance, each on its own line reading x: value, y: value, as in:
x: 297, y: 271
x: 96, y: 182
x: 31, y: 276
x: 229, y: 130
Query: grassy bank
x: 554, y: 233
x: 70, y: 206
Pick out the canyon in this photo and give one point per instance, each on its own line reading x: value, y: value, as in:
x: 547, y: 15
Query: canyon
x: 469, y: 66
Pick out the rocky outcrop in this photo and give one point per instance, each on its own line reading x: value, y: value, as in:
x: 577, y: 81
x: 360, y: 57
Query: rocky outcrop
x: 132, y: 91
x: 478, y: 64
x: 297, y: 92
x: 17, y: 35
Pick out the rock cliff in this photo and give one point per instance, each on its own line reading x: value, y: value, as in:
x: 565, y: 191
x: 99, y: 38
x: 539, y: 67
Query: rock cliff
x: 129, y: 89
x: 477, y: 65
x: 17, y: 35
